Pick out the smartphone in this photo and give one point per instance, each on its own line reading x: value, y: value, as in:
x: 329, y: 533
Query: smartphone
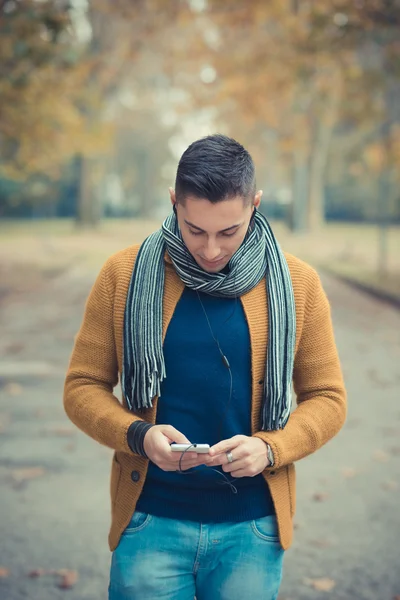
x: 199, y: 448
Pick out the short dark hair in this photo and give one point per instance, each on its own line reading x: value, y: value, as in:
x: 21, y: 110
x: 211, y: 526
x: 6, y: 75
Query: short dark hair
x: 217, y: 168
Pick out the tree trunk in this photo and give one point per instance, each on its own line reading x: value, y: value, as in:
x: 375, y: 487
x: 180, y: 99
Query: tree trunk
x: 145, y: 184
x: 88, y: 209
x: 297, y: 215
x: 324, y: 126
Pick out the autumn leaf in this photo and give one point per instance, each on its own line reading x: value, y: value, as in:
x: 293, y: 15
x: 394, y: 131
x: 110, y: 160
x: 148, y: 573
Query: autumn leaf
x: 70, y: 447
x: 13, y: 389
x: 391, y: 431
x: 323, y: 480
x: 67, y: 578
x: 4, y: 572
x: 349, y: 473
x: 320, y: 496
x: 380, y: 456
x: 390, y: 485
x: 21, y: 475
x: 321, y: 585
x: 37, y: 573
x: 14, y: 348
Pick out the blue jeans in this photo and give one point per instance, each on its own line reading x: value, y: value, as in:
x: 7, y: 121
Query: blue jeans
x: 178, y: 560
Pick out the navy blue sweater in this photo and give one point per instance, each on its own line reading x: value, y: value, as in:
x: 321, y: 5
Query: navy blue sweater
x: 195, y: 398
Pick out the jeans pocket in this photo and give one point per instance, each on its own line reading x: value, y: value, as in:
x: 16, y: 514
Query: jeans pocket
x: 266, y: 528
x: 138, y: 522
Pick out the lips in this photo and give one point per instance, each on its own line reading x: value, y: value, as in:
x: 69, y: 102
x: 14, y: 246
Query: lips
x: 212, y: 263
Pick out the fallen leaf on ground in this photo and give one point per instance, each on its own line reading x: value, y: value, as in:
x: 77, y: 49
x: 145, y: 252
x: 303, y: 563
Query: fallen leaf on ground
x: 380, y: 456
x: 320, y: 496
x: 68, y: 579
x: 375, y: 377
x: 13, y: 389
x: 70, y: 447
x: 14, y: 348
x: 323, y: 480
x: 390, y: 485
x: 19, y: 475
x: 4, y: 572
x: 391, y: 431
x: 349, y: 473
x: 37, y: 573
x: 322, y: 585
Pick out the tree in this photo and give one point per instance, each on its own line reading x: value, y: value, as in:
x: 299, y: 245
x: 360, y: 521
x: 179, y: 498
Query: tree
x: 292, y: 67
x: 60, y: 91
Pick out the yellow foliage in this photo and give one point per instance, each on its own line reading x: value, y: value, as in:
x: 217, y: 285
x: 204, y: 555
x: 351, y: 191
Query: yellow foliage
x: 375, y: 157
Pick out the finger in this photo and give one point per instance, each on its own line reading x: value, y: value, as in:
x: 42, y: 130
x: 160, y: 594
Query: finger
x: 226, y: 445
x: 186, y: 461
x: 192, y: 459
x: 185, y: 455
x: 215, y: 461
x: 241, y: 473
x: 222, y: 459
x: 176, y: 466
x: 235, y: 466
x: 174, y: 435
x: 183, y: 466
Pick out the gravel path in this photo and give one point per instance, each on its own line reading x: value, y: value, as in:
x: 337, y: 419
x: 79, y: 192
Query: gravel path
x: 54, y: 480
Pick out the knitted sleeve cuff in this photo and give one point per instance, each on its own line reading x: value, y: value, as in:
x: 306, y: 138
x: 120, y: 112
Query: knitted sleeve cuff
x: 135, y: 437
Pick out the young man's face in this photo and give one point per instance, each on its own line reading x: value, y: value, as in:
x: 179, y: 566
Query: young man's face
x: 213, y: 232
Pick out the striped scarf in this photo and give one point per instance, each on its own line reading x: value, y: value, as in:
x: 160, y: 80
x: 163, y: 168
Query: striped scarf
x: 258, y: 256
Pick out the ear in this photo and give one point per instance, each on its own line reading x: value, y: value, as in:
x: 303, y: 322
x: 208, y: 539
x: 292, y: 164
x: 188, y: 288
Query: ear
x: 172, y: 196
x: 257, y: 198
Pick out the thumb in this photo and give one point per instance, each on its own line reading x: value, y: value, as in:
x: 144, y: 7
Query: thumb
x: 174, y: 435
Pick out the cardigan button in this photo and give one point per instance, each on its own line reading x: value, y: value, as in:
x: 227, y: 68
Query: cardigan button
x: 135, y: 476
x: 272, y: 472
x: 261, y: 382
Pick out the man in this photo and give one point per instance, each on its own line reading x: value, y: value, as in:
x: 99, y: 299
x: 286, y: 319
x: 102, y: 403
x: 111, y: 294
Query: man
x: 207, y: 324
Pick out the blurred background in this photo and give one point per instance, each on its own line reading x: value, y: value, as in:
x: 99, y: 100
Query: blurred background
x: 98, y: 100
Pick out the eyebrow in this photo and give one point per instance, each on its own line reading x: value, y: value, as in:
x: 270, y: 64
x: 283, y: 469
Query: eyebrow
x: 222, y: 230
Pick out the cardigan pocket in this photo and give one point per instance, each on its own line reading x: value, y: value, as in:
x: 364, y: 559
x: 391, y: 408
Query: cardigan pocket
x: 114, y: 482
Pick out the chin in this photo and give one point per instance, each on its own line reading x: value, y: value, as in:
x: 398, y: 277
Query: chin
x: 215, y: 269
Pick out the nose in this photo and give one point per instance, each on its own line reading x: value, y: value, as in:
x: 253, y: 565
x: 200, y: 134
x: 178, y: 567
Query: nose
x: 211, y: 250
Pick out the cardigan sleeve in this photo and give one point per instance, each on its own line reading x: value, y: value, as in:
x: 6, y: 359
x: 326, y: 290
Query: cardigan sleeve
x: 318, y: 384
x: 93, y: 373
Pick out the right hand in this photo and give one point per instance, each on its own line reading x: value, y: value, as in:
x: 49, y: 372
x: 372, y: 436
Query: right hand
x: 157, y: 443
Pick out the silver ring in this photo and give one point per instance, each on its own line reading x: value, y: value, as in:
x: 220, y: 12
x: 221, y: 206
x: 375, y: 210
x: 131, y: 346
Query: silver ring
x: 229, y: 457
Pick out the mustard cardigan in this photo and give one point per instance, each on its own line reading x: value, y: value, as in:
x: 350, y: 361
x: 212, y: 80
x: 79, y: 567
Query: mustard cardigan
x: 97, y: 359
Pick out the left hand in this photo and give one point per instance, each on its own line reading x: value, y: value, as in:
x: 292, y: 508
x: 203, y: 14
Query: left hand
x: 249, y: 456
